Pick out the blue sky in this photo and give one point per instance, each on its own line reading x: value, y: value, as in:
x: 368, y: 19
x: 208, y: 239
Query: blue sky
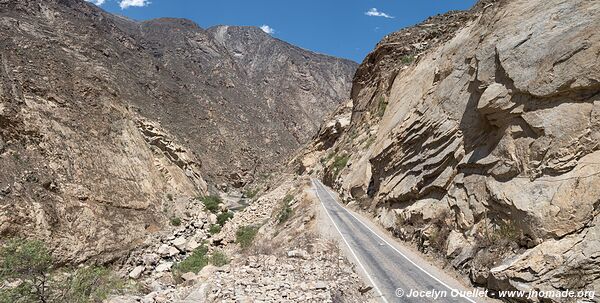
x: 343, y: 28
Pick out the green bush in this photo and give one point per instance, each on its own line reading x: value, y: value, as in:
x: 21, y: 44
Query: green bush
x: 214, y: 229
x: 245, y: 235
x: 407, y: 59
x: 288, y: 199
x: 326, y: 159
x: 91, y: 284
x: 24, y: 259
x: 353, y: 134
x: 285, y: 213
x: 219, y: 258
x: 339, y: 163
x: 381, y: 106
x: 175, y: 221
x: 504, y: 231
x: 30, y: 262
x: 211, y: 203
x: 24, y: 293
x: 286, y: 210
x: 224, y: 217
x: 193, y: 263
x: 170, y: 197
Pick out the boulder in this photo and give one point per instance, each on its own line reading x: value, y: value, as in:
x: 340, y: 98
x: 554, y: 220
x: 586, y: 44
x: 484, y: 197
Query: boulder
x: 189, y: 276
x: 298, y: 253
x: 206, y: 272
x: 150, y: 259
x: 163, y: 267
x: 180, y: 243
x: 191, y: 245
x: 212, y: 219
x: 167, y: 251
x: 136, y: 272
x: 455, y: 243
x: 319, y: 285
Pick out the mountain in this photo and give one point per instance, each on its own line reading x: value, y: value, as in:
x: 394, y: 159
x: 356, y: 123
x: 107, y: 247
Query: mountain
x: 109, y: 126
x: 475, y: 136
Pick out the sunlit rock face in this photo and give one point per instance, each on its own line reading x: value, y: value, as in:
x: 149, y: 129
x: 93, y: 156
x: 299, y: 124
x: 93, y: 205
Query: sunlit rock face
x: 476, y: 135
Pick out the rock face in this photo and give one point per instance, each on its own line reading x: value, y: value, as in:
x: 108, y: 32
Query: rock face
x: 483, y: 145
x: 108, y: 126
x: 300, y: 86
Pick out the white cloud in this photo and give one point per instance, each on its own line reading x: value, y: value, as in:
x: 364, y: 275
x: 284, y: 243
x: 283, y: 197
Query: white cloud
x: 128, y: 3
x: 267, y: 29
x: 375, y: 13
x: 97, y: 2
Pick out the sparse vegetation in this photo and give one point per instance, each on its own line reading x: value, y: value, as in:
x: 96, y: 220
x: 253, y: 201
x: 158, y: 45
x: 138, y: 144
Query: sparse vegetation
x: 251, y: 193
x: 219, y: 258
x: 91, y: 284
x: 499, y: 233
x: 339, y: 163
x: 381, y: 106
x: 29, y: 262
x: 175, y: 221
x: 211, y: 203
x: 245, y: 235
x: 327, y: 158
x: 497, y: 238
x: 193, y: 263
x: 264, y: 176
x: 407, y: 59
x: 214, y: 229
x: 503, y: 231
x: 436, y: 232
x: 199, y: 259
x: 353, y: 134
x: 286, y: 210
x: 438, y: 236
x: 288, y: 199
x: 224, y: 217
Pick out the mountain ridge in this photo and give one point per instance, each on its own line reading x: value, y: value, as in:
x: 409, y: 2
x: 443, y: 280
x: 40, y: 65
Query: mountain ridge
x: 125, y: 122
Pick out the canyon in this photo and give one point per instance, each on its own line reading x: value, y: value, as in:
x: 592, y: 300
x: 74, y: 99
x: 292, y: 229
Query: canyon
x: 472, y: 137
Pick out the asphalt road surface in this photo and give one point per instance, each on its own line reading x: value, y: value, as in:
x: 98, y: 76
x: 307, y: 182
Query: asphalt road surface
x: 395, y: 274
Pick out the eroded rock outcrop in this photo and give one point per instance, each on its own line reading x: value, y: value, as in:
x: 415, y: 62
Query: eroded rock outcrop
x: 486, y: 147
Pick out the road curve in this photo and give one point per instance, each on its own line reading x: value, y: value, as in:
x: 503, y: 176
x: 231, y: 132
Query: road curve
x: 394, y: 274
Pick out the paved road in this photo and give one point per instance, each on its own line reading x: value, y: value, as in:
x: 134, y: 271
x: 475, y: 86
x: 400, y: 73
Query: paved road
x: 386, y: 266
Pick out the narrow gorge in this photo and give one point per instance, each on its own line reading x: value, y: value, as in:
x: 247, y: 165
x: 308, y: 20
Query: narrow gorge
x: 158, y: 161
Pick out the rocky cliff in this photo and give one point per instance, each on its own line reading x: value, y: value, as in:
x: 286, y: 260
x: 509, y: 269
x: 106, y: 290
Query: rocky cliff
x: 476, y: 136
x: 109, y: 125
